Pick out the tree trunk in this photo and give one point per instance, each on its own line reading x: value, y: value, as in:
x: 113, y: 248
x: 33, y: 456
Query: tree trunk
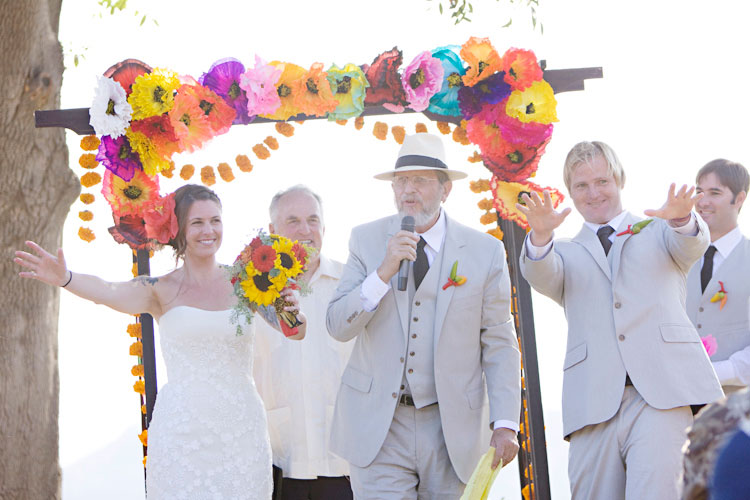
x: 38, y: 189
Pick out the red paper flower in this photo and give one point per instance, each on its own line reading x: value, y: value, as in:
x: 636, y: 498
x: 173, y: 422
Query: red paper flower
x: 131, y: 230
x: 161, y: 133
x: 516, y: 162
x: 160, y: 219
x: 125, y: 72
x: 385, y: 82
x: 263, y: 258
x: 521, y: 68
x: 299, y: 252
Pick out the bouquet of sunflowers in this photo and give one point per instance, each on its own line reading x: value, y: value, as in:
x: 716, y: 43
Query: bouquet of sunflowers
x: 269, y: 264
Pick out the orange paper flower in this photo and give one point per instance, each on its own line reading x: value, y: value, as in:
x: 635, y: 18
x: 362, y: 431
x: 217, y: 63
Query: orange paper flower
x: 90, y: 179
x: 312, y: 93
x: 483, y: 60
x: 521, y: 68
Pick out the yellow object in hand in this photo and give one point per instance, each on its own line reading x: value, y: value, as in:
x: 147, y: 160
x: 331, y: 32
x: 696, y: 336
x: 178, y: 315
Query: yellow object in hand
x: 480, y: 483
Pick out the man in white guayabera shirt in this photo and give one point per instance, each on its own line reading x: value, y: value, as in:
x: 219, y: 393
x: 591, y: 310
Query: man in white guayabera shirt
x: 298, y: 380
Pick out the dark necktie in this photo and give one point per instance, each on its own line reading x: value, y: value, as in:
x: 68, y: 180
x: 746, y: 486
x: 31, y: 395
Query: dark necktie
x: 420, y: 265
x: 708, y: 267
x: 603, y: 234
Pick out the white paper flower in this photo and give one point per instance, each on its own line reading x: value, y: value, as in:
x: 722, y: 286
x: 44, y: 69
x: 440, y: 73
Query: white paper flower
x: 110, y: 112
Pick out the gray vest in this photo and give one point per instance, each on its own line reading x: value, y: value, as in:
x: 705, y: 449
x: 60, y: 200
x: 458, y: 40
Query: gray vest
x: 419, y: 368
x: 730, y: 325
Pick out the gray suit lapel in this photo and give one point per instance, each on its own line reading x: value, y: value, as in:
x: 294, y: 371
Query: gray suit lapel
x: 401, y: 298
x: 588, y: 239
x: 448, y: 255
x: 735, y: 260
x: 619, y: 242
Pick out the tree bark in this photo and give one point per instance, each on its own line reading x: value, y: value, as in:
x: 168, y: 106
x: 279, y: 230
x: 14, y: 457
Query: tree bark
x: 38, y: 189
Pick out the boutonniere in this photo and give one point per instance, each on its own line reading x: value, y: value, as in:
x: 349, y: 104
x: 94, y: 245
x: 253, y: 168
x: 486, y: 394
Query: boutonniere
x: 636, y: 228
x: 720, y: 296
x: 454, y: 279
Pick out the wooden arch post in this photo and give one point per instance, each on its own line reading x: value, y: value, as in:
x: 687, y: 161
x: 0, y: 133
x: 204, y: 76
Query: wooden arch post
x: 532, y: 457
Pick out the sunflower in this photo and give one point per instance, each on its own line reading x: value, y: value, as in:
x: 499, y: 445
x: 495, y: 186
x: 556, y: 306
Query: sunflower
x: 535, y: 104
x: 260, y: 288
x: 153, y: 93
x: 286, y: 259
x: 129, y: 197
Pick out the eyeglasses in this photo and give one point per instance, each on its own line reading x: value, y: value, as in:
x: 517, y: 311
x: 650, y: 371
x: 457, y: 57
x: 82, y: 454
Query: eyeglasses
x: 416, y: 181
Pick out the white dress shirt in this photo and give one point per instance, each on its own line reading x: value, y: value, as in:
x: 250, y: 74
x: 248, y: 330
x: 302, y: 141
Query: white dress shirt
x: 298, y: 381
x: 736, y: 369
x: 373, y: 288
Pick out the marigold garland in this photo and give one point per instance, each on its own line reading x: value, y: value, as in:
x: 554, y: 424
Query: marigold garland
x: 87, y: 198
x: 243, y: 162
x: 143, y: 436
x: 341, y: 122
x: 359, y: 122
x: 271, y: 142
x: 475, y: 158
x: 261, y: 152
x: 168, y: 172
x: 480, y: 185
x: 88, y: 160
x: 90, y: 143
x: 85, y: 215
x: 136, y: 349
x: 459, y: 135
x: 208, y: 177
x: 134, y: 330
x: 444, y: 127
x: 137, y: 370
x: 187, y: 171
x: 380, y: 130
x: 285, y: 129
x: 225, y: 172
x: 496, y: 232
x: 399, y: 133
x: 90, y: 179
x: 86, y: 234
x: 420, y: 128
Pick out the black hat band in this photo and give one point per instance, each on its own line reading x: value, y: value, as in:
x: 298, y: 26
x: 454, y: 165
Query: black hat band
x: 420, y: 161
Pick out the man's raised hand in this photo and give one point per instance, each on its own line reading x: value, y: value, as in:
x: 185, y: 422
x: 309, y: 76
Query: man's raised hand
x: 678, y: 205
x: 541, y: 216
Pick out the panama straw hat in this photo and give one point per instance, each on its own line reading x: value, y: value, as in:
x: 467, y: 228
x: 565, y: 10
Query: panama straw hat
x: 421, y: 152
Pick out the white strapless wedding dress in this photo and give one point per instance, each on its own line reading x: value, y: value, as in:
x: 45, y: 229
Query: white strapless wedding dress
x: 208, y: 438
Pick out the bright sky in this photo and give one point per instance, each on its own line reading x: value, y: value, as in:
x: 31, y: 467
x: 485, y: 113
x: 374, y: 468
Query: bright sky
x: 670, y: 100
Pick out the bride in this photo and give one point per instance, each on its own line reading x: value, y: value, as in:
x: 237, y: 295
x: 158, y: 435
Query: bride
x: 208, y: 436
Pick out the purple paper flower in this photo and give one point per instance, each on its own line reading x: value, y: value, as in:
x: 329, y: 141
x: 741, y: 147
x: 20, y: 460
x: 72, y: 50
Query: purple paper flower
x: 490, y: 90
x: 259, y: 85
x: 224, y: 79
x: 117, y: 157
x: 422, y: 78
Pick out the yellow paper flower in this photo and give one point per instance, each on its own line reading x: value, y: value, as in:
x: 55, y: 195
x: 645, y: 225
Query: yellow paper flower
x: 153, y: 93
x: 535, y: 104
x: 285, y: 259
x: 153, y: 163
x: 507, y: 194
x: 290, y: 73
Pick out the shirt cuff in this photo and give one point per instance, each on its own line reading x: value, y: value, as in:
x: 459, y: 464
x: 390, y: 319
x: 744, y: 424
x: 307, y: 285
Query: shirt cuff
x: 534, y: 252
x: 373, y: 289
x: 726, y: 372
x: 690, y: 228
x: 507, y: 424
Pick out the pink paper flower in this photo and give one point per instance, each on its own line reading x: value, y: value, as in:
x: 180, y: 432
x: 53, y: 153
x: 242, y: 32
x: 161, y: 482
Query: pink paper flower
x: 421, y: 80
x: 709, y: 342
x: 259, y: 84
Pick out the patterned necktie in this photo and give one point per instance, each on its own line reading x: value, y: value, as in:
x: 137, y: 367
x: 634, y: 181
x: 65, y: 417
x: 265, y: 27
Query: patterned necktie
x: 708, y: 267
x: 420, y: 265
x: 603, y: 234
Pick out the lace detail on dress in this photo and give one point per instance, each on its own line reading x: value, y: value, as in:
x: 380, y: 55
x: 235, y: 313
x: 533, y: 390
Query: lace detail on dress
x: 208, y: 438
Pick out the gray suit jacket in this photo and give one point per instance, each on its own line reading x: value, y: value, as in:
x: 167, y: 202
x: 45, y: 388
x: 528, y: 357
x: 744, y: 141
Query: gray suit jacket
x: 626, y: 314
x: 475, y: 346
x: 730, y: 325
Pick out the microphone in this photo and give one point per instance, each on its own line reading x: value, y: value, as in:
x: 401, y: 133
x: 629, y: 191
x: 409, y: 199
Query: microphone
x: 407, y: 224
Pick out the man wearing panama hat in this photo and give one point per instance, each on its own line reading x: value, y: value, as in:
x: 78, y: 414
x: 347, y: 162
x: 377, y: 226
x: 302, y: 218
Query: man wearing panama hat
x: 435, y: 363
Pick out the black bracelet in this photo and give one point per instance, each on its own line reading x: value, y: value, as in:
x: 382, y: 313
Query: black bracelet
x: 69, y: 279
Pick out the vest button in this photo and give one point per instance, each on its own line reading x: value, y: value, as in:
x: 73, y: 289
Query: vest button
x: 700, y: 309
x: 416, y: 319
x: 417, y: 303
x: 411, y: 370
x: 621, y: 337
x: 402, y: 360
x: 394, y: 395
x: 617, y: 305
x: 413, y: 335
x: 698, y: 325
x: 411, y: 353
x: 403, y: 387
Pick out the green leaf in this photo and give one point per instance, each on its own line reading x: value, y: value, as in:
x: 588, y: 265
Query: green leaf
x: 510, y: 21
x: 440, y: 6
x: 143, y: 20
x: 75, y: 60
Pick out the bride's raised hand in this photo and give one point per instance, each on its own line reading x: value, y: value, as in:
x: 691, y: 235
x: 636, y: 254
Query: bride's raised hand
x: 42, y: 265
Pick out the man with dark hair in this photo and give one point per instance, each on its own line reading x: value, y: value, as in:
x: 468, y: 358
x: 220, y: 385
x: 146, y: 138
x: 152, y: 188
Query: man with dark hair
x: 718, y: 287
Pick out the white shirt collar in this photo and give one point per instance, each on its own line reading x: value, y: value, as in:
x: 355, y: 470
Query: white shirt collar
x: 726, y: 243
x: 436, y: 234
x: 326, y: 267
x: 615, y: 223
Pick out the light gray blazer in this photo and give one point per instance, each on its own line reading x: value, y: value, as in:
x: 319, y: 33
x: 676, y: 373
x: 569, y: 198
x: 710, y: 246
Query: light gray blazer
x: 730, y: 325
x: 475, y: 346
x: 626, y: 314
